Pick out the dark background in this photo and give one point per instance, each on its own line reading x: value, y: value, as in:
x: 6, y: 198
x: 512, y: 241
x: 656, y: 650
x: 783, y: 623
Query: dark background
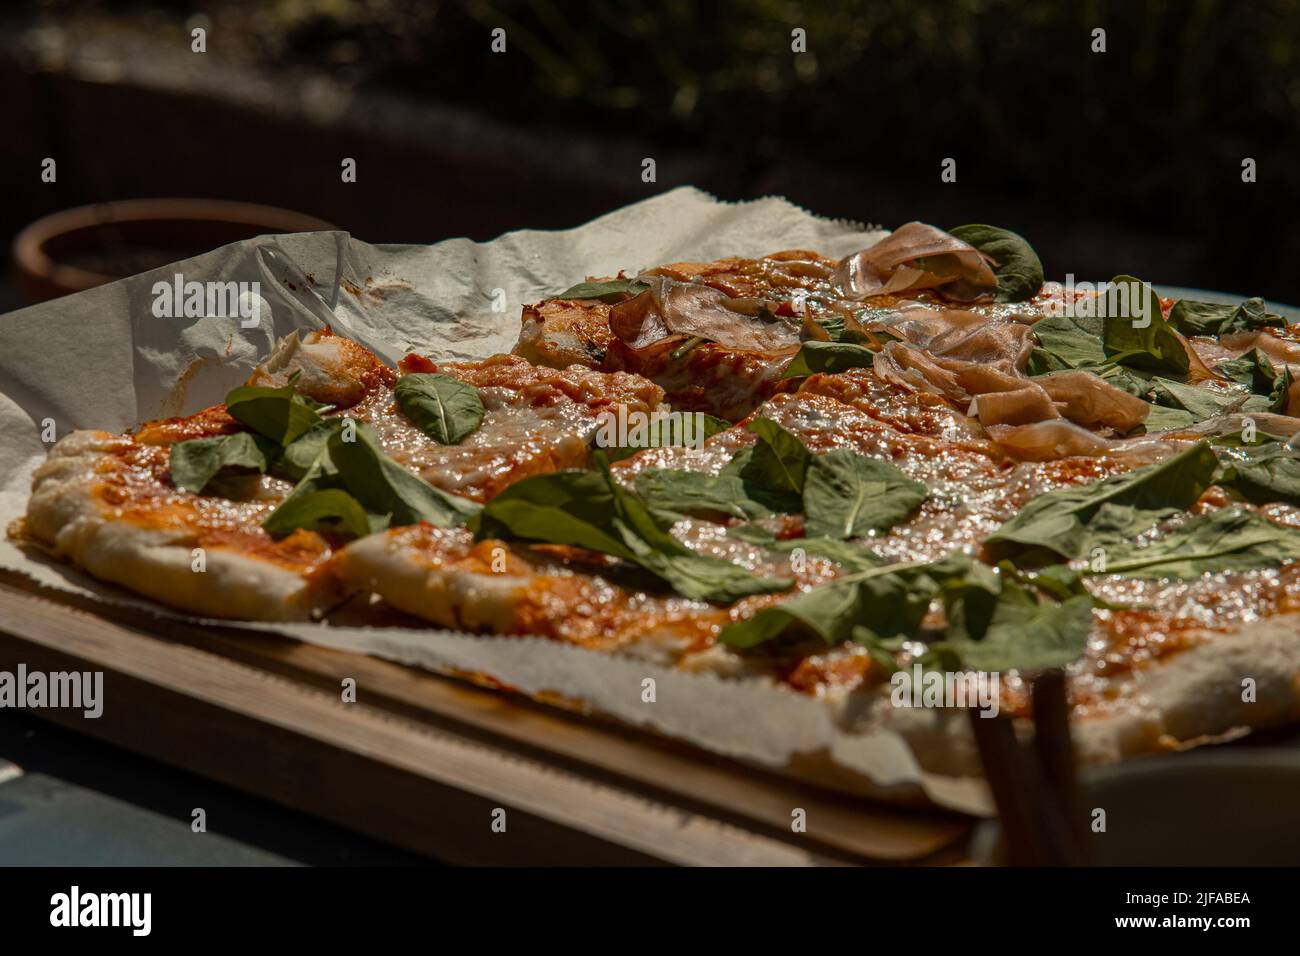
x: 1123, y: 161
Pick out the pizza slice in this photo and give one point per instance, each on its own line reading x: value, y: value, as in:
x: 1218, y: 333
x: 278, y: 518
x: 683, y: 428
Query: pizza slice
x: 200, y: 513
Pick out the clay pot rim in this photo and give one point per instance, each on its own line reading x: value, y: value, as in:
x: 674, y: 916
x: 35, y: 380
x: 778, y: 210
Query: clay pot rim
x: 41, y: 270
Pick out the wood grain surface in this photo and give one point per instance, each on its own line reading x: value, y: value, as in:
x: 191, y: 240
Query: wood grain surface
x: 422, y: 761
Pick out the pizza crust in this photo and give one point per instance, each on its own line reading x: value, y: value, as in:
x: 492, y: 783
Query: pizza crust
x: 1190, y: 698
x: 75, y: 524
x: 455, y: 597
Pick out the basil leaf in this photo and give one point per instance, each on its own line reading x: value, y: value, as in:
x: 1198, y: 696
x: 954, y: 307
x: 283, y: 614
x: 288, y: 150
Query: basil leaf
x: 1135, y: 332
x: 1257, y: 372
x: 443, y: 407
x: 1019, y: 271
x: 615, y: 290
x: 854, y: 557
x: 281, y: 414
x: 1203, y: 403
x: 703, y: 577
x: 752, y: 533
x: 1137, y: 384
x: 995, y: 621
x: 1233, y: 435
x: 696, y: 576
x: 1252, y: 369
x: 894, y: 603
x: 1066, y: 342
x: 1212, y: 318
x: 779, y: 461
x: 828, y: 357
x: 1230, y: 539
x: 1006, y: 619
x: 833, y: 325
x: 1060, y: 523
x: 1264, y: 478
x: 196, y: 462
x: 591, y: 510
x: 563, y: 507
x: 385, y: 487
x: 1280, y: 396
x: 1025, y: 633
x: 847, y: 495
x: 378, y: 485
x: 694, y: 493
x: 300, y: 454
x: 665, y: 432
x: 1162, y: 419
x: 329, y: 509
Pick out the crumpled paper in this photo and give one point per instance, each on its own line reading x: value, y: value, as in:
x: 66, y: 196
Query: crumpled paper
x: 101, y: 359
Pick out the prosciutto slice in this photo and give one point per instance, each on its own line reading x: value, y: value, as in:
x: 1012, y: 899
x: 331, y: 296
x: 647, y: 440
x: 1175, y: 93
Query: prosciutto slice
x: 691, y: 309
x: 1278, y: 350
x: 902, y: 364
x: 1023, y: 406
x: 915, y: 257
x: 1089, y: 400
x: 978, y: 379
x: 992, y: 342
x: 1049, y: 440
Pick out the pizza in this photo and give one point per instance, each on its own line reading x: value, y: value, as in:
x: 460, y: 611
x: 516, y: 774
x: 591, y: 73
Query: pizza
x: 812, y: 473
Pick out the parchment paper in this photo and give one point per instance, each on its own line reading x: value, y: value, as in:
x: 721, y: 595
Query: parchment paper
x: 101, y: 359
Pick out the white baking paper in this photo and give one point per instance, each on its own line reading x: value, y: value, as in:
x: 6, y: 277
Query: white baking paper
x: 102, y: 359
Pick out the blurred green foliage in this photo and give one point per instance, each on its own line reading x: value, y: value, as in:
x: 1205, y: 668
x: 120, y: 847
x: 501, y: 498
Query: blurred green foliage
x: 893, y: 82
x: 1185, y: 90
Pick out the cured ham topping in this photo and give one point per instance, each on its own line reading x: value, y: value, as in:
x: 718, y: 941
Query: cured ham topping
x: 916, y: 257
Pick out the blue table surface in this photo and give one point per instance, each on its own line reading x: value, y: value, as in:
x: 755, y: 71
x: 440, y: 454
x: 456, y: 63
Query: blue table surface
x: 78, y: 802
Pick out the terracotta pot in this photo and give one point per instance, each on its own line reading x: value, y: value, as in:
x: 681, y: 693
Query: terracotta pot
x: 87, y: 246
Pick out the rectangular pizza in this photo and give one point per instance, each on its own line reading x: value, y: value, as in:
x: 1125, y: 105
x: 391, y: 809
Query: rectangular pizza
x: 831, y: 477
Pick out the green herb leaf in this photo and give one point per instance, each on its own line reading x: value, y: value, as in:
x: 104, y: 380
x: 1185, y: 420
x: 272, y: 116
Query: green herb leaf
x: 779, y: 461
x: 615, y: 290
x: 1136, y: 383
x: 698, y: 493
x: 196, y: 462
x: 385, y: 487
x: 564, y: 507
x: 281, y: 414
x: 1264, y: 477
x: 591, y: 510
x: 1025, y: 633
x: 847, y: 495
x: 1230, y: 539
x: 1162, y: 419
x: 1019, y: 271
x: 1135, y: 332
x: 854, y: 557
x: 444, y: 408
x: 1212, y: 318
x: 674, y: 429
x: 299, y: 455
x: 1203, y: 403
x: 330, y: 509
x: 996, y: 621
x: 829, y: 357
x: 1066, y: 342
x: 1059, y: 524
x: 1004, y: 619
x: 894, y: 602
x: 1257, y: 372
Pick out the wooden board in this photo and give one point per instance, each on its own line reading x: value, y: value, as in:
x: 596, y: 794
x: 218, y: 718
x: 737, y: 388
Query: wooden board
x: 422, y: 761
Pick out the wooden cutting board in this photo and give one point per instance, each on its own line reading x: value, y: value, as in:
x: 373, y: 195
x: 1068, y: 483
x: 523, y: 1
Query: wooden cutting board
x: 427, y: 762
